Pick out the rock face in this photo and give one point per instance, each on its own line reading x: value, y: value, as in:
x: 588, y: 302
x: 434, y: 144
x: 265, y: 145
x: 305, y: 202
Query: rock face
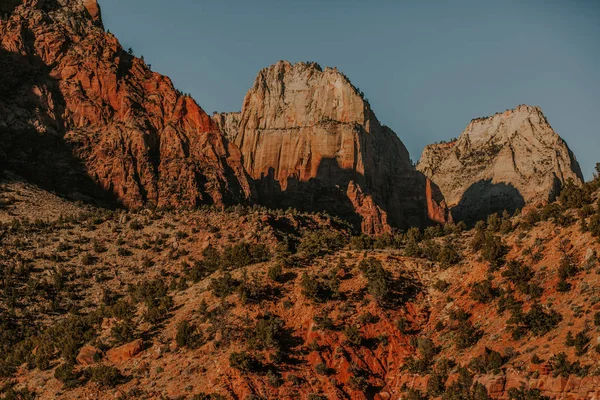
x: 74, y: 105
x: 310, y: 140
x: 505, y: 161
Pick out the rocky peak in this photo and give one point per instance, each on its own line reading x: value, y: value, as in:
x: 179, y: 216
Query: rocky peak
x: 310, y: 140
x: 112, y: 122
x: 504, y: 161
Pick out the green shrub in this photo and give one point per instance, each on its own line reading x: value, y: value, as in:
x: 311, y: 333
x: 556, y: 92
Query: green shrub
x: 275, y: 272
x: 268, y: 333
x: 526, y: 394
x: 448, y: 255
x: 560, y: 366
x: 536, y: 321
x: 104, y: 375
x: 244, y: 362
x: 361, y: 242
x: 67, y: 375
x: 484, y: 291
x: 319, y: 243
x: 379, y: 280
x: 188, y: 336
x: 223, y: 285
x: 319, y: 290
x: 353, y: 335
x: 489, y: 361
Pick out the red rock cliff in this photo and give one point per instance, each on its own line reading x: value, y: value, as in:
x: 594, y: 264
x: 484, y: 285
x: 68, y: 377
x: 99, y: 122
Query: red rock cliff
x: 139, y: 138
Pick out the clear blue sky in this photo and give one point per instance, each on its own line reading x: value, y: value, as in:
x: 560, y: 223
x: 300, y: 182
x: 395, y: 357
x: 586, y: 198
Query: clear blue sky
x: 427, y: 67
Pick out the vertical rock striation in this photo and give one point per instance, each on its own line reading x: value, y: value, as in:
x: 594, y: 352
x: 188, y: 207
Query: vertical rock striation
x: 310, y: 140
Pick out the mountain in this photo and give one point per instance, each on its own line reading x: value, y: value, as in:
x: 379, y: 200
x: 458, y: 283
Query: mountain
x: 502, y: 162
x: 83, y: 117
x: 310, y: 140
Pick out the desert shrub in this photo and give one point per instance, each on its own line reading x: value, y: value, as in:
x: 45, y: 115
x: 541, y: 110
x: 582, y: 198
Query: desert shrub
x: 489, y: 361
x: 597, y: 318
x: 359, y: 379
x: 388, y: 240
x: 275, y: 272
x: 567, y: 268
x: 267, y: 333
x: 319, y: 290
x: 579, y: 341
x: 526, y: 394
x: 232, y: 257
x: 520, y: 276
x: 508, y: 302
x: 244, y: 362
x: 224, y: 285
x: 560, y: 366
x: 427, y: 351
x: 574, y: 196
x: 537, y: 321
x: 361, y: 242
x: 154, y: 294
x: 379, y: 280
x: 353, y: 335
x: 10, y: 393
x: 441, y: 285
x: 252, y: 290
x: 594, y: 225
x: 323, y: 322
x: 464, y: 388
x: 494, y: 222
x: 484, y: 291
x: 448, y: 255
x: 244, y: 254
x: 67, y: 375
x: 493, y: 250
x: 104, y: 375
x: 136, y: 225
x: 123, y: 331
x: 188, y: 335
x: 319, y: 243
x: 412, y: 249
x: 209, y: 396
x: 465, y: 334
x: 414, y: 394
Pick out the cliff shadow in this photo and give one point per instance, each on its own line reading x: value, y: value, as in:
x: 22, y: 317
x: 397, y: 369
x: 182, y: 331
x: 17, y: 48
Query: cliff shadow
x: 485, y: 198
x: 42, y: 158
x: 326, y: 192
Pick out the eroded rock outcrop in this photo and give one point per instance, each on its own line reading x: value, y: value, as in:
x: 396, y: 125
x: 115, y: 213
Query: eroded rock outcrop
x: 505, y: 161
x: 310, y: 140
x: 74, y: 103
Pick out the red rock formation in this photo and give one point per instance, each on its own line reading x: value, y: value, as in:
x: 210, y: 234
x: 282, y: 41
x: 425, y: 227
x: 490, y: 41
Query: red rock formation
x: 125, y: 352
x: 310, y: 140
x: 139, y: 138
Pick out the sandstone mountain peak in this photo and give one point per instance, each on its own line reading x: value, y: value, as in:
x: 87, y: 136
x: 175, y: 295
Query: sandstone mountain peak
x: 310, y: 140
x: 504, y: 161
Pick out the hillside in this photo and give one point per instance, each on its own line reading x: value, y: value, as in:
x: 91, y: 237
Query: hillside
x: 175, y: 304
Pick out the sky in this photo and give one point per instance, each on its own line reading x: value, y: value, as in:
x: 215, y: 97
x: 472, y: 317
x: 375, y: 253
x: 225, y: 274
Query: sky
x: 427, y: 66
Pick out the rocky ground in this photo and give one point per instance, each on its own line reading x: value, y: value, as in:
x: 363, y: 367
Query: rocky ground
x: 248, y: 303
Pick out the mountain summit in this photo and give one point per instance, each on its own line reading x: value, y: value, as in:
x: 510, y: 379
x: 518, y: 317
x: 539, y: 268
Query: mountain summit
x: 501, y: 162
x: 310, y: 140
